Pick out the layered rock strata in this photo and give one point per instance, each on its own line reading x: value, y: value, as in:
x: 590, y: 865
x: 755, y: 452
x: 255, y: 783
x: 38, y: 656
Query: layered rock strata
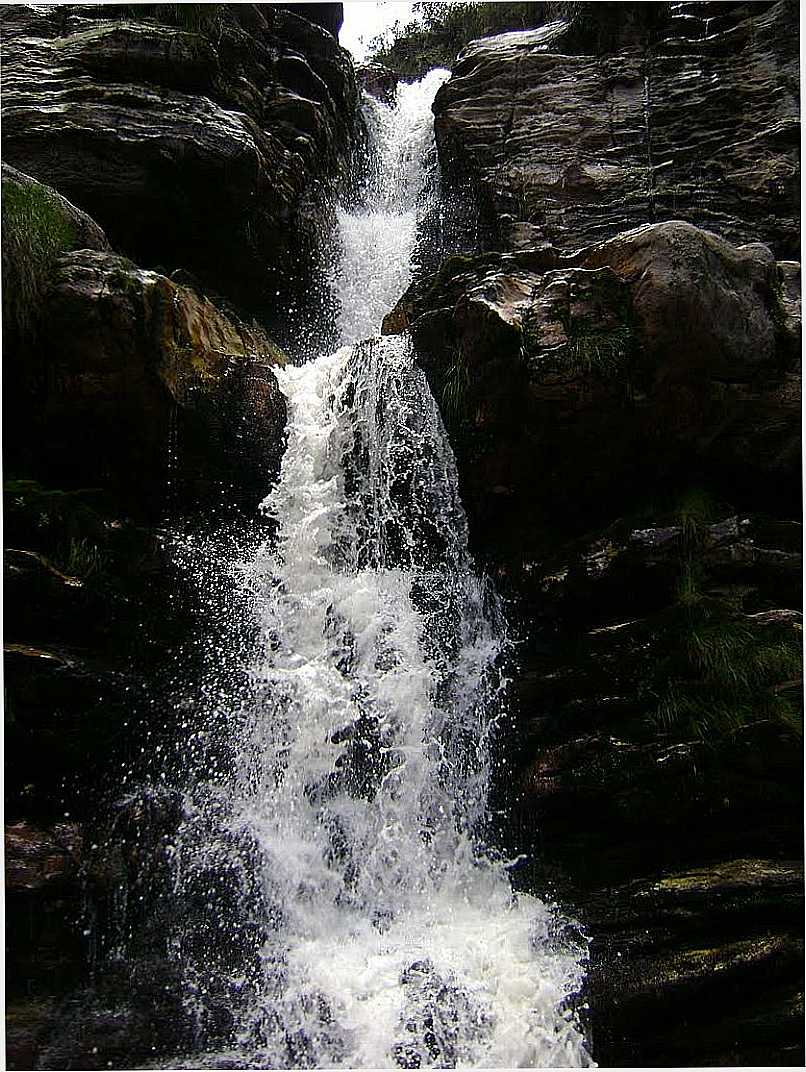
x: 699, y: 123
x: 205, y: 145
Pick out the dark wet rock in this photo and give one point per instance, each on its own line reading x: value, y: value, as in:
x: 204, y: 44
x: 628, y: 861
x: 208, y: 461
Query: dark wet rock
x: 661, y: 351
x: 200, y: 145
x: 676, y: 845
x: 31, y: 582
x: 148, y: 389
x: 42, y: 918
x: 64, y: 706
x: 568, y: 146
x: 36, y: 858
x: 328, y: 15
x: 718, y: 947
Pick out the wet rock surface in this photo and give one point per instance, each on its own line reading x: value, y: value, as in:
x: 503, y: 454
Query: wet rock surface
x: 570, y: 381
x: 569, y: 142
x: 626, y: 423
x: 132, y: 401
x: 677, y: 845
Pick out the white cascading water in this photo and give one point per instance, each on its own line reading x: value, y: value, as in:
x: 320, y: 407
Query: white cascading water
x: 361, y: 922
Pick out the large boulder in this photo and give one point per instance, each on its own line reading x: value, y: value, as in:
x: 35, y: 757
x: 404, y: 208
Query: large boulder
x: 205, y: 144
x: 144, y: 387
x: 570, y: 138
x: 568, y: 380
x: 717, y: 946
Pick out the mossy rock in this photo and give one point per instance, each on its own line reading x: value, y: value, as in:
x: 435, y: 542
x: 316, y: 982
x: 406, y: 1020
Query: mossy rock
x: 38, y: 226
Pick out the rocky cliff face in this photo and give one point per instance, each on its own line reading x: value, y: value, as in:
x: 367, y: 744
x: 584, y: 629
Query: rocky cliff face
x: 171, y: 179
x: 617, y: 359
x: 205, y: 145
x: 567, y: 146
x: 620, y: 374
x: 661, y: 355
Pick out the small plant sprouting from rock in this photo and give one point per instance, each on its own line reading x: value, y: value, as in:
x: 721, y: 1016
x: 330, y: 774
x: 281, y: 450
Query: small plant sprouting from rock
x: 455, y: 391
x: 81, y: 558
x: 602, y: 353
x: 35, y: 232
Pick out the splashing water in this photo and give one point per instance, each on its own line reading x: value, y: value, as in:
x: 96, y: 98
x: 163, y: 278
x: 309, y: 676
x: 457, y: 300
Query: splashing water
x: 335, y: 837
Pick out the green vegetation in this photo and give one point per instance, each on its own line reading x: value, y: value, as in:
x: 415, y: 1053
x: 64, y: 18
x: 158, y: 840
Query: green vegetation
x: 195, y: 18
x: 600, y: 344
x: 722, y: 670
x: 61, y: 527
x: 440, y: 31
x: 604, y: 353
x: 44, y: 518
x: 81, y: 558
x: 36, y: 231
x: 455, y: 390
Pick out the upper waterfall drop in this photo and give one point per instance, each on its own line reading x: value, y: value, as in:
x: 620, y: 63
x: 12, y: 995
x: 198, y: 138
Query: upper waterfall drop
x: 377, y: 239
x: 339, y: 808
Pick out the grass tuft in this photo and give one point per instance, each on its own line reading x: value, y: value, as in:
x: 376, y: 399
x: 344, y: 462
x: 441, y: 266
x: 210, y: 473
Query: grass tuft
x: 455, y: 391
x: 721, y: 671
x: 36, y: 231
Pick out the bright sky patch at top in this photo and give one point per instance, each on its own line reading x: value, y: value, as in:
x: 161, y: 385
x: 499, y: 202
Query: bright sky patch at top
x: 365, y: 19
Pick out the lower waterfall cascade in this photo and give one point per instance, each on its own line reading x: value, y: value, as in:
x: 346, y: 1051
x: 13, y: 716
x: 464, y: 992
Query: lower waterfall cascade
x: 334, y: 806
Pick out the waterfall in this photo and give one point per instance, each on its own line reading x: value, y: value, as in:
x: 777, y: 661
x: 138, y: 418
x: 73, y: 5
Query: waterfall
x: 343, y: 910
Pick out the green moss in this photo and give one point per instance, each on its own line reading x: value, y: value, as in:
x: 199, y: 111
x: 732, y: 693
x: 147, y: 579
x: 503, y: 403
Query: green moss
x: 36, y: 230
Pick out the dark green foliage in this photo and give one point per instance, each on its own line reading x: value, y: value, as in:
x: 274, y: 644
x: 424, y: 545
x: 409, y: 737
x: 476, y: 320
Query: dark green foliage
x: 722, y: 669
x: 35, y: 232
x: 440, y: 31
x: 606, y: 354
x: 195, y: 18
x: 695, y: 510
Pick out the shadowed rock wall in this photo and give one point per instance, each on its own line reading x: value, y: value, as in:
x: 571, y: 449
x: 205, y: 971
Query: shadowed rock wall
x: 205, y: 145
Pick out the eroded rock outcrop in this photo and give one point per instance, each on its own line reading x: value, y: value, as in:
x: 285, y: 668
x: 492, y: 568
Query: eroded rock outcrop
x: 699, y: 123
x: 203, y: 145
x: 166, y: 386
x: 571, y: 378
